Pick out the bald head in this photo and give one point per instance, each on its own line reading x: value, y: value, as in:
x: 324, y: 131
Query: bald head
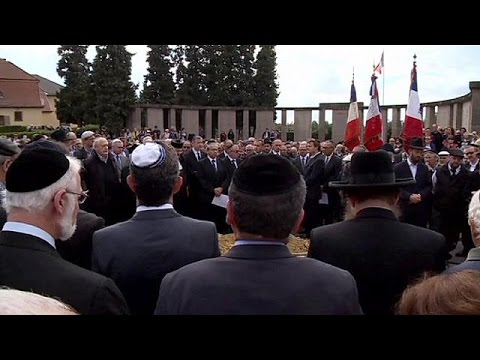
x: 15, y: 302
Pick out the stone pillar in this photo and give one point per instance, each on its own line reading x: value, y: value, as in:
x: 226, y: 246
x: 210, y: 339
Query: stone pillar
x: 443, y: 116
x: 384, y: 112
x: 135, y: 121
x: 154, y: 118
x: 190, y: 120
x: 457, y: 115
x: 171, y: 119
x: 322, y: 126
x: 302, y: 125
x: 429, y: 116
x: 245, y: 125
x: 284, y: 128
x: 226, y: 121
x: 208, y: 124
x: 264, y: 120
x: 466, y: 119
x: 339, y: 123
x: 396, y: 124
x: 475, y: 106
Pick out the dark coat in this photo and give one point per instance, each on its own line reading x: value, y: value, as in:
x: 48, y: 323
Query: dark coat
x: 415, y: 214
x: 314, y: 178
x: 383, y: 255
x: 258, y: 280
x: 451, y: 193
x: 138, y: 253
x: 30, y: 264
x: 78, y: 249
x: 211, y: 179
x: 104, y: 188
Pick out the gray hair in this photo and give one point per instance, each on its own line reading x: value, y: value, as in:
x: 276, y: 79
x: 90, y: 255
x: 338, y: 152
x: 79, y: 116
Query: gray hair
x: 16, y: 302
x: 116, y: 141
x: 474, y: 217
x: 39, y: 200
x: 272, y: 216
x: 154, y: 186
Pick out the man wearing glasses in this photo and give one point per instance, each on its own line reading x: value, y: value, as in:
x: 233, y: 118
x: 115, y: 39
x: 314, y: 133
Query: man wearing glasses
x: 42, y: 206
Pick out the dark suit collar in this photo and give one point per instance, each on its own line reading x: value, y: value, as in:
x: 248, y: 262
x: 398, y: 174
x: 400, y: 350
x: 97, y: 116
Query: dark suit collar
x: 376, y: 212
x: 25, y: 241
x: 259, y: 252
x: 155, y: 214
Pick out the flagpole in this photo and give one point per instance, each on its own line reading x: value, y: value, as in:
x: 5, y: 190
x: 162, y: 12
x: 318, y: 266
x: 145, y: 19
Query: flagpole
x: 383, y: 66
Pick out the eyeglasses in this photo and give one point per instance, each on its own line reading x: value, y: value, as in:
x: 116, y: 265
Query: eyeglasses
x: 81, y: 197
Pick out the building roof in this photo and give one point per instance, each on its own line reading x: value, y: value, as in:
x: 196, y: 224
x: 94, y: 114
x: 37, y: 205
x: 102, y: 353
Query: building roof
x: 50, y: 87
x: 10, y: 71
x: 17, y: 87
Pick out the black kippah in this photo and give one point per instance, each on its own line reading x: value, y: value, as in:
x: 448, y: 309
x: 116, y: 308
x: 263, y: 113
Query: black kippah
x: 265, y: 175
x: 46, y: 144
x: 35, y: 170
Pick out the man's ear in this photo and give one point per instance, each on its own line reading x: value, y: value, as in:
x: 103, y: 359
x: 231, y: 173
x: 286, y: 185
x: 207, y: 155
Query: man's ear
x: 299, y: 221
x: 131, y: 183
x: 178, y: 184
x: 60, y: 201
x: 6, y: 164
x: 231, y: 218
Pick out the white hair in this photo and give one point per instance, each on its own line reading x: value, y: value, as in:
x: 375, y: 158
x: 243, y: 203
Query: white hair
x: 41, y: 199
x: 16, y: 302
x: 474, y: 217
x: 116, y: 141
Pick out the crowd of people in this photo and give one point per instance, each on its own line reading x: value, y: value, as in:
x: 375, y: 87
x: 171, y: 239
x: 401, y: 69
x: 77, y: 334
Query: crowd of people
x: 131, y: 225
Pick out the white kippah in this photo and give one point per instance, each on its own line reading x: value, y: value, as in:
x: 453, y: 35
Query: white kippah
x: 443, y: 152
x: 148, y: 155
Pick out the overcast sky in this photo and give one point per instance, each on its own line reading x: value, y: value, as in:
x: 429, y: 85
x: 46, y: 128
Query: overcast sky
x: 310, y: 74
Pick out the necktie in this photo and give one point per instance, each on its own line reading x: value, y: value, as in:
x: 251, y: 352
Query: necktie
x: 327, y: 159
x: 198, y: 155
x: 214, y: 165
x: 119, y: 162
x: 234, y: 163
x: 304, y: 161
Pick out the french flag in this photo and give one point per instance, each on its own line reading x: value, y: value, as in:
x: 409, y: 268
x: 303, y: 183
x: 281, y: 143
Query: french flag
x: 413, y: 117
x: 353, y: 131
x: 374, y: 125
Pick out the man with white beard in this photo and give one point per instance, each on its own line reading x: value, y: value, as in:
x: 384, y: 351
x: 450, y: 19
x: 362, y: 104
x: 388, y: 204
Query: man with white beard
x: 43, y: 193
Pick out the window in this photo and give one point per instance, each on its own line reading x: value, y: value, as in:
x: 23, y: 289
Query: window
x: 18, y: 116
x: 2, y: 120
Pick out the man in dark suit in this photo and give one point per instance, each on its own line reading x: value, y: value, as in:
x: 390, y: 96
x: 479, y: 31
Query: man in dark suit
x: 450, y: 200
x: 214, y: 180
x: 333, y: 167
x: 302, y: 159
x: 191, y: 160
x: 383, y: 254
x: 42, y: 206
x: 138, y: 253
x: 314, y: 178
x: 259, y: 275
x: 415, y: 199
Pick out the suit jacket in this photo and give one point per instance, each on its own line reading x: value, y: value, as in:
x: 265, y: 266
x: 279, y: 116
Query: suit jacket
x: 258, y: 280
x: 423, y: 186
x: 314, y: 178
x: 230, y: 168
x: 138, y: 253
x: 450, y: 195
x: 191, y: 170
x: 383, y: 255
x: 31, y: 264
x: 298, y: 164
x: 211, y: 179
x: 78, y: 249
x: 332, y: 173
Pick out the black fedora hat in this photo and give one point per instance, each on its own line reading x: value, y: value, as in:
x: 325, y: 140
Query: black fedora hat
x: 417, y: 143
x: 371, y: 170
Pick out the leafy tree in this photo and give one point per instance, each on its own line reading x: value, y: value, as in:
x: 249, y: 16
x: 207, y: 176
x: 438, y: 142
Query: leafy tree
x: 73, y: 100
x: 266, y: 87
x: 158, y: 86
x: 192, y: 90
x: 114, y: 91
